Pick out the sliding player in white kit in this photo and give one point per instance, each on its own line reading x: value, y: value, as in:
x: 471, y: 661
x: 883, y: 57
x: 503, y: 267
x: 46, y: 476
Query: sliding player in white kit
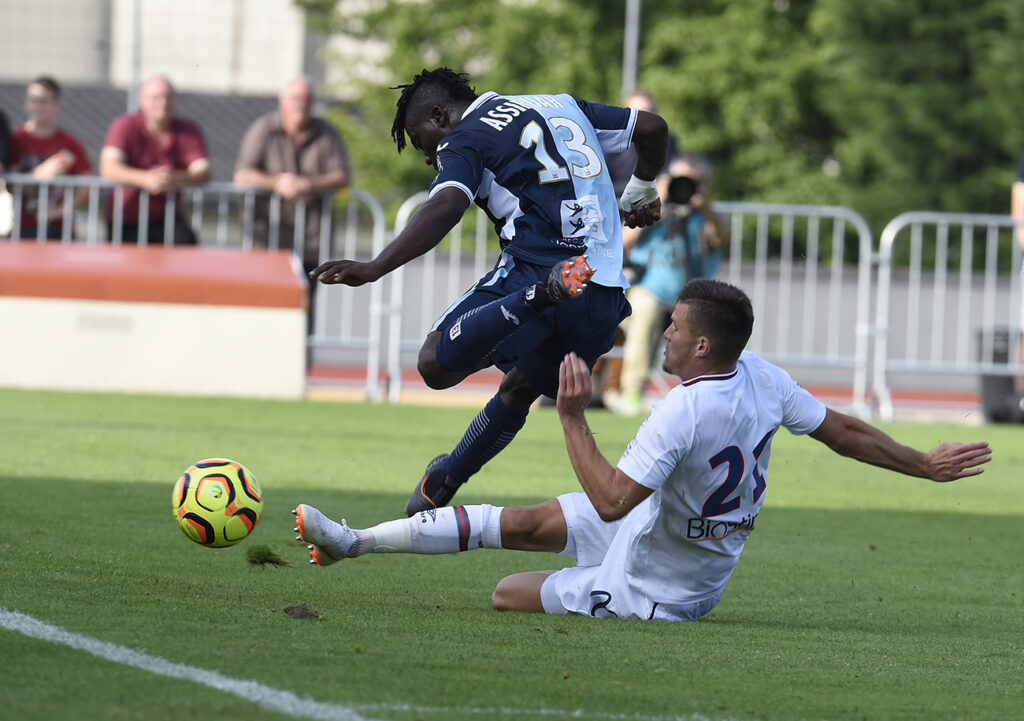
x: 659, y: 536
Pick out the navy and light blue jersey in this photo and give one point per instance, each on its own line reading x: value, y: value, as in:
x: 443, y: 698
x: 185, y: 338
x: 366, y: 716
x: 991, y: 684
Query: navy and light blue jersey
x: 536, y: 165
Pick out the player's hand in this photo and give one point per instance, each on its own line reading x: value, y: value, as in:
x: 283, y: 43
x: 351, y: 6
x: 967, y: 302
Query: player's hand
x: 643, y: 215
x: 345, y: 272
x: 952, y: 461
x: 640, y: 204
x: 574, y: 386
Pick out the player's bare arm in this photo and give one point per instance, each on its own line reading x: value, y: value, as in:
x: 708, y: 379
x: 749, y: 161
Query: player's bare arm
x: 431, y: 223
x: 640, y: 204
x: 854, y: 438
x: 612, y: 493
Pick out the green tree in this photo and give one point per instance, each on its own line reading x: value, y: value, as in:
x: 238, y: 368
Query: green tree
x: 739, y: 80
x: 926, y: 97
x: 883, y: 106
x: 551, y: 46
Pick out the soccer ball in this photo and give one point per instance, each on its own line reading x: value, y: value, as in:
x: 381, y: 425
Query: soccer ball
x: 217, y: 502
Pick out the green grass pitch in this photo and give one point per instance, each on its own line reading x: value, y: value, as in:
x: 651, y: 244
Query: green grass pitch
x: 861, y: 595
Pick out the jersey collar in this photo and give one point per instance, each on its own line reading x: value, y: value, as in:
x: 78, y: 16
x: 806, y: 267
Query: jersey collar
x: 723, y: 377
x: 485, y: 98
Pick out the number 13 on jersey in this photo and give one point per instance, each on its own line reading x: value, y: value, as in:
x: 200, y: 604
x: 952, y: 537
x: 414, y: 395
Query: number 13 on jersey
x: 551, y: 171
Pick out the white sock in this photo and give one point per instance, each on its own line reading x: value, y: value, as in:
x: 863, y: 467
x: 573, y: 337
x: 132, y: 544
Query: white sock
x: 445, y: 530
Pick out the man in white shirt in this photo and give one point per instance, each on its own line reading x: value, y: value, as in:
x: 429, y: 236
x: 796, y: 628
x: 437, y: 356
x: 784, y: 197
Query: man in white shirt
x: 659, y: 535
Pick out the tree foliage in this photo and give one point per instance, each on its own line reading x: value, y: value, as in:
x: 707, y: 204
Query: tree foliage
x: 883, y: 106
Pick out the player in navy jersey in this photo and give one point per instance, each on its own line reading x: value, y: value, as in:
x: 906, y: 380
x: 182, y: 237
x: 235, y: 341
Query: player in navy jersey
x: 536, y: 165
x: 658, y: 535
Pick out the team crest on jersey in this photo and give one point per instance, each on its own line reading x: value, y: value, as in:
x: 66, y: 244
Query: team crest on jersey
x: 582, y: 218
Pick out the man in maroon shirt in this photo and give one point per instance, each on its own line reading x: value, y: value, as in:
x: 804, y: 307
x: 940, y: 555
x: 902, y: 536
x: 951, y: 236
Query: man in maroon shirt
x: 47, y: 151
x: 154, y: 151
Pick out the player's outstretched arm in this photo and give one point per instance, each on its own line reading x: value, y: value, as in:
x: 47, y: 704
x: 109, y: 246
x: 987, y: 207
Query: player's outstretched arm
x: 612, y: 493
x: 428, y: 227
x: 854, y: 438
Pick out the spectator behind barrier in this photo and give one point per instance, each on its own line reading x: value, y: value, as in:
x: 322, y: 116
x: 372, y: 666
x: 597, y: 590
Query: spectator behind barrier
x: 155, y: 151
x: 5, y: 144
x: 1017, y: 211
x: 299, y: 157
x: 608, y: 369
x: 686, y: 244
x: 6, y: 205
x: 46, y: 151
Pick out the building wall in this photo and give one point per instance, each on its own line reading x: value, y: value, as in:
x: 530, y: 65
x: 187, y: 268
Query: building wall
x: 235, y: 46
x: 68, y: 39
x: 216, y: 46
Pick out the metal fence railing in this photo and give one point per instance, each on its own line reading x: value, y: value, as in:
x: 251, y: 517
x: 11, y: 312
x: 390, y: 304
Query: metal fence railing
x: 225, y: 215
x: 807, y: 270
x: 946, y: 286
x: 801, y: 288
x: 939, y: 313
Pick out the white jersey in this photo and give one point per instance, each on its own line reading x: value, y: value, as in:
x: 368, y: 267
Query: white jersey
x: 704, y: 452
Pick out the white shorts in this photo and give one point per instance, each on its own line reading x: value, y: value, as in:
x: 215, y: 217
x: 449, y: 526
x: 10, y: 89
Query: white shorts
x: 597, y: 586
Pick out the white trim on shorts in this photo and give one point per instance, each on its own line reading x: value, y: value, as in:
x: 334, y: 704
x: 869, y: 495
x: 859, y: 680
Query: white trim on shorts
x: 501, y: 270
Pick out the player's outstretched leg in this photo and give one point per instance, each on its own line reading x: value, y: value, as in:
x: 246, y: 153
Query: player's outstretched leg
x: 329, y: 541
x: 447, y: 530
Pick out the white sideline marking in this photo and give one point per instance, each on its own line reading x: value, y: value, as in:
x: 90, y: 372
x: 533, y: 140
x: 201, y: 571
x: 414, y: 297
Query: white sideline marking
x: 271, y: 698
x: 556, y: 713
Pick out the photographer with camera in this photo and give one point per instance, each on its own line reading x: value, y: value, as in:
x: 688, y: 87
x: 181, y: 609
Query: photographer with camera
x: 686, y: 244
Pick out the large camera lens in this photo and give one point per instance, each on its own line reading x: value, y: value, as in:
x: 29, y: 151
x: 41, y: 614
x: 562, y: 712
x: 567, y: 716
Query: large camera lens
x: 681, y: 189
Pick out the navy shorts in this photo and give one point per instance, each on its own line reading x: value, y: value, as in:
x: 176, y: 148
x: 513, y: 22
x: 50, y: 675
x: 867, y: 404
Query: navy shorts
x: 584, y: 325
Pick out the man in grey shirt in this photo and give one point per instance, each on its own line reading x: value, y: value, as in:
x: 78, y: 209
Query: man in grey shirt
x: 300, y: 158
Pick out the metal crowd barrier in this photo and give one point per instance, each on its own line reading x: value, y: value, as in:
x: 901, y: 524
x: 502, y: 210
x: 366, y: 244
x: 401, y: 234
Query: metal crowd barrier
x: 940, y: 313
x: 232, y: 206
x: 431, y: 289
x: 808, y: 270
x: 223, y: 215
x: 806, y: 296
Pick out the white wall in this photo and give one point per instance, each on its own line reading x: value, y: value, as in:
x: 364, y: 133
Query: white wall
x: 63, y: 38
x: 222, y: 46
x: 237, y: 46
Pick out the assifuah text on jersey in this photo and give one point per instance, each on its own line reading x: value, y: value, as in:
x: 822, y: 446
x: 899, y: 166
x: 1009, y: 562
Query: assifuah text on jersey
x: 501, y: 115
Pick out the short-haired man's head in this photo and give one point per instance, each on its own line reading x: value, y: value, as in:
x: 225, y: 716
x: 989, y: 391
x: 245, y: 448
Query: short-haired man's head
x: 295, y: 103
x: 440, y: 87
x: 47, y: 83
x: 721, y: 312
x: 641, y: 99
x: 157, y: 99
